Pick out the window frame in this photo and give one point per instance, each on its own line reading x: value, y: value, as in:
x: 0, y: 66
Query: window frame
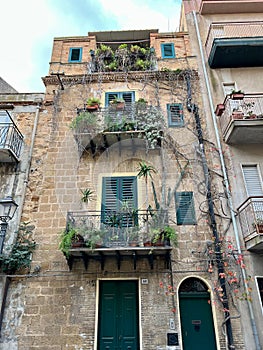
x: 118, y: 94
x: 70, y: 55
x: 173, y: 55
x: 185, y: 219
x: 180, y: 114
x: 260, y: 295
x: 119, y: 193
x: 256, y: 166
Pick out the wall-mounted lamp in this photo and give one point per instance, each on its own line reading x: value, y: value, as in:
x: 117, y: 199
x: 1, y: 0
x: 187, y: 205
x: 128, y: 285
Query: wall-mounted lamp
x: 7, y: 210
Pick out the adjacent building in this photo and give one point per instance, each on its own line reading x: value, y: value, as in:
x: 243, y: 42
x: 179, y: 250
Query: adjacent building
x: 227, y: 38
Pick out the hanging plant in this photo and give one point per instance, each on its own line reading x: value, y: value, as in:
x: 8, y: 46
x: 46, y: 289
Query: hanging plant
x: 18, y: 256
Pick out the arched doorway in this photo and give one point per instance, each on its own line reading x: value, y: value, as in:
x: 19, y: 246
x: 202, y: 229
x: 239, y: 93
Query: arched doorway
x: 196, y: 316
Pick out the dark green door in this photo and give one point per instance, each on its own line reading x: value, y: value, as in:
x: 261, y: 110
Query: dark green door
x: 118, y: 315
x: 196, y: 321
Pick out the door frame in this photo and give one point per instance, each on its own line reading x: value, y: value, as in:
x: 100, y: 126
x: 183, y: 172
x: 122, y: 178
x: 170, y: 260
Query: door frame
x: 138, y: 280
x: 213, y: 309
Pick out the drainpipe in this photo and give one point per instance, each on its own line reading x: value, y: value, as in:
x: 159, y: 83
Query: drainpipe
x: 226, y: 182
x: 219, y: 258
x: 7, y: 281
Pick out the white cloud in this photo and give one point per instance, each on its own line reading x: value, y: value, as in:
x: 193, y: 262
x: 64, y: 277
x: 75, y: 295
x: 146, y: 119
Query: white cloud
x: 135, y: 14
x: 29, y: 26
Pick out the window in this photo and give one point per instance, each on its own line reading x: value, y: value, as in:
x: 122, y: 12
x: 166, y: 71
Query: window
x: 117, y: 192
x: 175, y: 114
x: 168, y: 50
x: 252, y: 179
x: 128, y: 96
x: 75, y: 54
x: 259, y: 283
x: 185, y: 212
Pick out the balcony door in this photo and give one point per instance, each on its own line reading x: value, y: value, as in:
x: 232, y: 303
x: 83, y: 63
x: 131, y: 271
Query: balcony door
x: 119, y: 203
x: 118, y: 322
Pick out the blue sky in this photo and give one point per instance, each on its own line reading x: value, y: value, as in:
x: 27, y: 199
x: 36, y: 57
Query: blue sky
x: 28, y: 27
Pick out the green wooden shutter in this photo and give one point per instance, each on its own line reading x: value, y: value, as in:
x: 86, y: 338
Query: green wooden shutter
x: 175, y: 114
x: 168, y: 50
x: 116, y: 191
x: 185, y: 212
x: 128, y: 96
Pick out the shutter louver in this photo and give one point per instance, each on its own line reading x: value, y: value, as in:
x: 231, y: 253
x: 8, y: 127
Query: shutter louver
x: 175, y: 114
x: 185, y: 212
x: 167, y: 49
x: 116, y: 191
x: 252, y: 180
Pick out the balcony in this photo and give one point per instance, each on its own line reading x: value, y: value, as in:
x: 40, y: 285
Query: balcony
x: 232, y: 45
x: 241, y: 121
x: 230, y: 6
x: 121, y: 236
x: 251, y: 221
x: 11, y: 139
x: 129, y: 126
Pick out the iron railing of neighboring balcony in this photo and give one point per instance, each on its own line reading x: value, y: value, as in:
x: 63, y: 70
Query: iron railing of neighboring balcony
x: 11, y: 138
x: 228, y: 30
x: 251, y: 217
x: 250, y: 107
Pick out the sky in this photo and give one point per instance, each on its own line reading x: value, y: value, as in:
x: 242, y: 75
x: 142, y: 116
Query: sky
x: 28, y: 27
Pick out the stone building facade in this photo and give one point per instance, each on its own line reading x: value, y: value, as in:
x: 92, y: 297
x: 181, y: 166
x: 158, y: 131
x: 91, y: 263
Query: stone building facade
x: 143, y: 172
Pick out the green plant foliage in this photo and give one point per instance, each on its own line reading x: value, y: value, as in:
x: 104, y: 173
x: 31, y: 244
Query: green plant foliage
x: 145, y: 170
x: 91, y: 101
x: 86, y: 195
x: 18, y: 255
x: 67, y: 237
x: 123, y: 46
x: 84, y: 120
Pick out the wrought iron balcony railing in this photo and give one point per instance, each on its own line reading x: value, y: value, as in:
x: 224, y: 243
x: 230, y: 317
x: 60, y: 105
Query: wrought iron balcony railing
x: 10, y: 140
x: 233, y: 30
x: 118, y: 229
x: 101, y: 129
x: 251, y: 217
x: 133, y: 116
x: 241, y: 120
x: 235, y: 44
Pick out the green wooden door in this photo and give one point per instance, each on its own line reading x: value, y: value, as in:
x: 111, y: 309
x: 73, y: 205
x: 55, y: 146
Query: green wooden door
x: 196, y: 321
x: 118, y: 316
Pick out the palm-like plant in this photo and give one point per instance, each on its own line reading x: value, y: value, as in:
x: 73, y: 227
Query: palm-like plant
x: 146, y: 171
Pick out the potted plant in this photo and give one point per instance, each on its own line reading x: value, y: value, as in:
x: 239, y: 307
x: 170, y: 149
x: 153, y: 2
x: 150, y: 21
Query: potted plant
x: 237, y: 114
x: 94, y: 238
x: 86, y: 195
x: 84, y: 122
x: 258, y: 225
x: 93, y: 104
x: 70, y: 238
x: 164, y: 236
x: 237, y: 95
x: 219, y: 109
x: 117, y: 103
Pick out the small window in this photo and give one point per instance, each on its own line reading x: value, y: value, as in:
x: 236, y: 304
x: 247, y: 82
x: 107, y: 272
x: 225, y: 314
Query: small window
x: 168, y: 50
x: 259, y: 282
x: 175, y: 114
x: 185, y: 211
x: 252, y: 179
x: 128, y: 96
x: 75, y: 54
